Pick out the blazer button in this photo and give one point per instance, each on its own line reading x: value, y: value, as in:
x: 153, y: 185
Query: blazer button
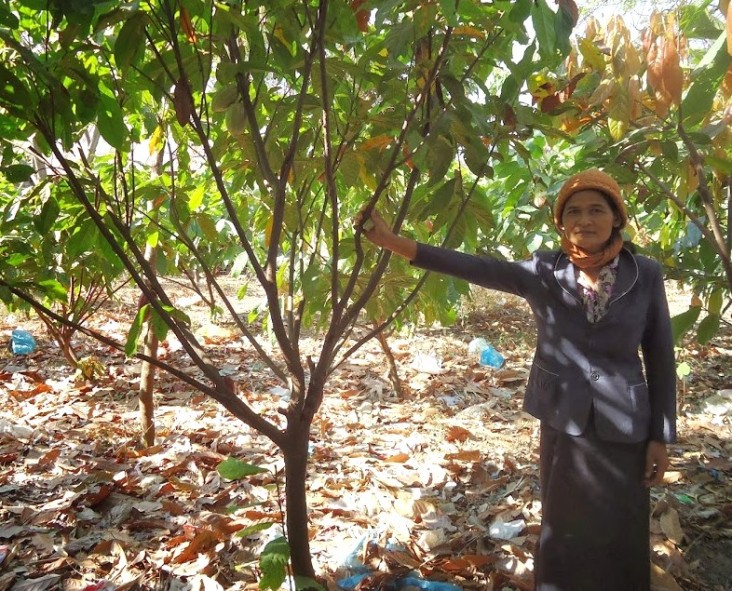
x: 595, y: 376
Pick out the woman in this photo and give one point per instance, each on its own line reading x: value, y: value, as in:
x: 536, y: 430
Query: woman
x: 606, y: 417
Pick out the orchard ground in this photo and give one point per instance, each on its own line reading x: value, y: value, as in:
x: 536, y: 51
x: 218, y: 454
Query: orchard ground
x: 442, y: 479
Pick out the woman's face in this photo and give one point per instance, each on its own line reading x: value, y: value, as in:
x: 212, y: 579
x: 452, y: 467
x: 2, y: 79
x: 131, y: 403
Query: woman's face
x: 588, y: 220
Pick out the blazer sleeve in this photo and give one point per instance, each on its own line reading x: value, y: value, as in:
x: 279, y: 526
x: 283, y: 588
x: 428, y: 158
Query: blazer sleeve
x: 660, y: 363
x: 511, y: 277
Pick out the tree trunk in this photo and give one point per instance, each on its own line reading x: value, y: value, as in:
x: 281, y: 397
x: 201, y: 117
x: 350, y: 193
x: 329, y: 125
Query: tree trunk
x: 147, y: 387
x: 147, y: 373
x: 296, y: 504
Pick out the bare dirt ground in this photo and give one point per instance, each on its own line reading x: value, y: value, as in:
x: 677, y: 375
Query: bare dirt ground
x: 442, y: 481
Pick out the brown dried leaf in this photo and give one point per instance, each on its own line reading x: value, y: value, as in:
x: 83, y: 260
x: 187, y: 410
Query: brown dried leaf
x: 182, y: 101
x: 456, y: 433
x: 203, y: 541
x: 671, y: 526
x: 672, y: 76
x: 399, y: 458
x: 49, y: 459
x: 465, y: 456
x: 661, y: 580
x: 570, y: 8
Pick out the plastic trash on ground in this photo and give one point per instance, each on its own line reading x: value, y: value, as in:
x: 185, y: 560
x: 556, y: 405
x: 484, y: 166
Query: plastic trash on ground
x: 408, y: 582
x: 719, y: 404
x: 476, y: 346
x: 487, y: 354
x: 427, y: 363
x: 501, y: 530
x: 358, y: 571
x: 22, y: 342
x: 491, y: 358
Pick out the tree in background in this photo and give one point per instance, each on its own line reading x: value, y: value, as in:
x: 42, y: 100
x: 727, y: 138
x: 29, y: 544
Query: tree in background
x: 270, y: 124
x: 656, y: 112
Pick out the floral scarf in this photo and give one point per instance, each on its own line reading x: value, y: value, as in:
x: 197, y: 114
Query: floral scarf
x: 597, y: 299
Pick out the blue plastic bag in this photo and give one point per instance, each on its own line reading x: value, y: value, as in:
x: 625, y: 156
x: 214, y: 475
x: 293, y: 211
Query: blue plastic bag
x: 402, y: 583
x: 490, y: 357
x: 22, y: 342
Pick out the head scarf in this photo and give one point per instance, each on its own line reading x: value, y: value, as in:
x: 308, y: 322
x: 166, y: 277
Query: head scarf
x: 592, y: 179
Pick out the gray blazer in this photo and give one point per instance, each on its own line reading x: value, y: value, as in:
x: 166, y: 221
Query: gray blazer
x: 581, y: 366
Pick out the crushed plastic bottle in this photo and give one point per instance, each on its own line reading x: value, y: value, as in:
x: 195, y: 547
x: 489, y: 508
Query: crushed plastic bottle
x: 22, y: 342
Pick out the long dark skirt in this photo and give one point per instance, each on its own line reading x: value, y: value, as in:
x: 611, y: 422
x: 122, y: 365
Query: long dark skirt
x: 595, y: 513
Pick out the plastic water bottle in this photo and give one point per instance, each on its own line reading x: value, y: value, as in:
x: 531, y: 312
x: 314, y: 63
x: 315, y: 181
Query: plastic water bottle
x: 22, y: 342
x: 490, y: 357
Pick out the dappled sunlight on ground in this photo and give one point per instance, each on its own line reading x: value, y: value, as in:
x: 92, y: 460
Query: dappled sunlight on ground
x: 442, y: 480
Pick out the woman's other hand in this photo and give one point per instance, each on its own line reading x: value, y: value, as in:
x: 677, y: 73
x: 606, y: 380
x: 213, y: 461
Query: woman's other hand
x: 656, y: 463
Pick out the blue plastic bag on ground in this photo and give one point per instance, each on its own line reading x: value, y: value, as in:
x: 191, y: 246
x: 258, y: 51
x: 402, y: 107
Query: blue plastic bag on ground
x: 22, y: 342
x: 402, y: 583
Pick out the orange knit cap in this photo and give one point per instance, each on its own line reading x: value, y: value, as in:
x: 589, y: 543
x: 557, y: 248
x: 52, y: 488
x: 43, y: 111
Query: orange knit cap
x: 590, y: 179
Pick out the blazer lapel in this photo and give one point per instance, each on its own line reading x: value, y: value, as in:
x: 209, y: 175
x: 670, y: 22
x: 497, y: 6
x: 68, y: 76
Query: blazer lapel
x: 626, y: 277
x: 566, y: 276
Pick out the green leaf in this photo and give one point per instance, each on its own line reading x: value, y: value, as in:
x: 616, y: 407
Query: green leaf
x: 8, y: 19
x: 111, y: 122
x: 439, y: 159
x: 195, y: 197
x: 682, y: 370
x: 53, y: 289
x: 6, y: 296
x: 448, y: 11
x: 224, y: 98
x: 706, y: 79
x: 16, y: 259
x: 682, y: 323
x: 178, y: 315
x: 708, y: 328
x: 254, y: 529
x: 273, y: 563
x: 49, y: 213
x: 520, y: 11
x: 135, y: 329
x: 715, y: 301
x: 307, y: 583
x: 159, y: 326
x: 18, y: 173
x: 233, y: 469
x: 311, y: 280
x: 153, y: 239
x: 12, y: 90
x: 708, y: 256
x: 437, y: 201
x: 543, y: 19
x: 476, y: 157
x: 350, y: 168
x: 130, y: 44
x: 82, y: 239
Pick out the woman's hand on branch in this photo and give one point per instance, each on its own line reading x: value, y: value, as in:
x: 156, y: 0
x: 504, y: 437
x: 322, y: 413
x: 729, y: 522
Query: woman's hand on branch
x: 377, y: 231
x: 375, y: 228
